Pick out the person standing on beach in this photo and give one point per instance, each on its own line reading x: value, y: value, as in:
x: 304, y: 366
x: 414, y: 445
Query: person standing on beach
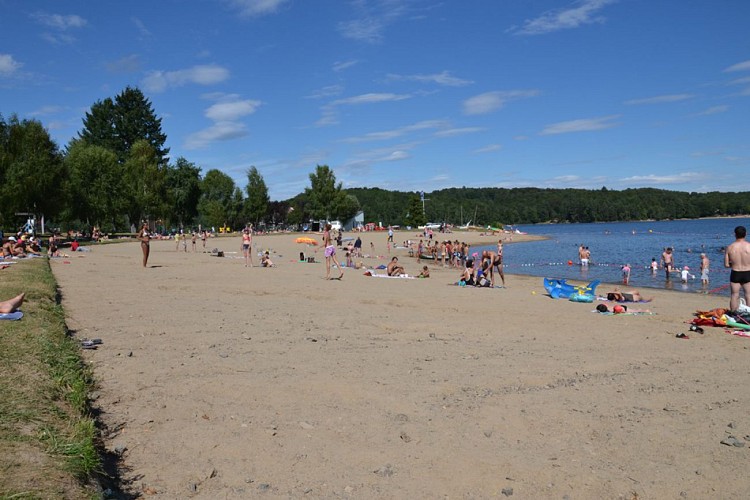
x: 247, y: 244
x: 704, y: 269
x: 145, y: 238
x: 330, y: 253
x: 737, y: 258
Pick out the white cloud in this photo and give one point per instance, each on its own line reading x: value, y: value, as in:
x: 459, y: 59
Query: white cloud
x: 443, y: 78
x: 253, y: 8
x: 578, y: 14
x: 158, y: 81
x: 330, y: 113
x: 661, y: 98
x: 372, y: 19
x: 47, y: 110
x: 328, y: 118
x: 329, y: 91
x: 127, y: 64
x: 492, y: 101
x: 8, y: 65
x: 145, y: 33
x: 342, y: 65
x: 58, y: 38
x: 398, y: 132
x: 226, y: 112
x: 366, y: 159
x: 652, y: 179
x: 58, y: 21
x: 220, y: 131
x: 230, y: 111
x: 714, y: 110
x: 371, y: 98
x: 743, y: 66
x: 489, y: 148
x: 364, y: 30
x: 453, y: 132
x: 582, y: 125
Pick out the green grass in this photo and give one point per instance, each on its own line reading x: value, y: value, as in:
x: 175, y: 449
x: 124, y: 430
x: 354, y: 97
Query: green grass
x: 47, y: 436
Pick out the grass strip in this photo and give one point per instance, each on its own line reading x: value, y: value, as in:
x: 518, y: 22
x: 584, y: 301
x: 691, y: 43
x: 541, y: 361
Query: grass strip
x: 47, y: 435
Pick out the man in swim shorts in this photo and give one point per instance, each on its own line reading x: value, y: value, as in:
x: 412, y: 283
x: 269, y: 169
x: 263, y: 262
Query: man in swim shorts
x: 737, y: 257
x: 705, y: 263
x: 668, y: 260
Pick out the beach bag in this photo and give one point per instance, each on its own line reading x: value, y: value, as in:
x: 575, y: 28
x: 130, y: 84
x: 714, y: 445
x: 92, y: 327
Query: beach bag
x: 743, y: 307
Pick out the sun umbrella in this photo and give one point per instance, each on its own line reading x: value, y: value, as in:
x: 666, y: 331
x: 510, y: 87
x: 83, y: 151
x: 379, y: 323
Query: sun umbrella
x: 307, y: 240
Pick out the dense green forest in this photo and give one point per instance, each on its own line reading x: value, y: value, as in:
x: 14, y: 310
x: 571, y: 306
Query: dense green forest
x: 496, y: 206
x: 117, y: 172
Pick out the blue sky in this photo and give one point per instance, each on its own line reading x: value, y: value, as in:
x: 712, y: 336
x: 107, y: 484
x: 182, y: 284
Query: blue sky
x: 406, y: 94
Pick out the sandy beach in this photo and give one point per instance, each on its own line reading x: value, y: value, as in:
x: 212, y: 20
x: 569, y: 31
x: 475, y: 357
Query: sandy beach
x: 221, y: 381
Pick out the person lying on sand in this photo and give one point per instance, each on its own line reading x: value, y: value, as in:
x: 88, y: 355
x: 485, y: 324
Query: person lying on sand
x: 620, y: 309
x: 11, y: 305
x: 631, y: 296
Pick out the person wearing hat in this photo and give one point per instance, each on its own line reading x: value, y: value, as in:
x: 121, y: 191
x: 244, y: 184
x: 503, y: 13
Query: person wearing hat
x: 685, y: 274
x: 18, y: 248
x: 8, y: 247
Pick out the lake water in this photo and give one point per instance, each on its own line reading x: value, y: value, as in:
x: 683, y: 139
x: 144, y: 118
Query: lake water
x: 614, y: 244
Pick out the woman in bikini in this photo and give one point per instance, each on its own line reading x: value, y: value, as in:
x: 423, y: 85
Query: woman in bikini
x: 632, y: 296
x: 145, y: 238
x: 247, y: 243
x: 330, y: 253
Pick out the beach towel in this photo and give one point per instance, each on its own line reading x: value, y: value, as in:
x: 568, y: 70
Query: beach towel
x: 626, y: 313
x: 16, y: 315
x: 401, y: 276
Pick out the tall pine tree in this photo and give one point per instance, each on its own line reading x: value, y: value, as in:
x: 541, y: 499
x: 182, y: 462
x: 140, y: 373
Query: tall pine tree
x: 118, y: 124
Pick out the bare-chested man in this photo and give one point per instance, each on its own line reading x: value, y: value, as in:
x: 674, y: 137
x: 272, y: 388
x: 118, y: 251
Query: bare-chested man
x: 493, y: 260
x: 668, y: 260
x: 705, y: 264
x: 737, y: 257
x: 394, y: 268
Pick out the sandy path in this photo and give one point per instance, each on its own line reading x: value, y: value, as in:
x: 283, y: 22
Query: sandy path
x: 246, y: 382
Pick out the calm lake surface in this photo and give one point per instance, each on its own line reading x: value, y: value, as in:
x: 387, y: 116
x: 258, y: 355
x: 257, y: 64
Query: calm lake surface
x: 614, y: 244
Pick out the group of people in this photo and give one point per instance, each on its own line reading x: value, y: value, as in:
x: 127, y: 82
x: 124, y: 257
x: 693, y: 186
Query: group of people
x: 448, y: 253
x: 668, y: 264
x: 484, y: 273
x: 21, y: 246
x: 584, y: 255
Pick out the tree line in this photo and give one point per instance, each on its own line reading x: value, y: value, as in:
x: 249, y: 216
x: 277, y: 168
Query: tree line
x: 117, y: 172
x: 500, y: 206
